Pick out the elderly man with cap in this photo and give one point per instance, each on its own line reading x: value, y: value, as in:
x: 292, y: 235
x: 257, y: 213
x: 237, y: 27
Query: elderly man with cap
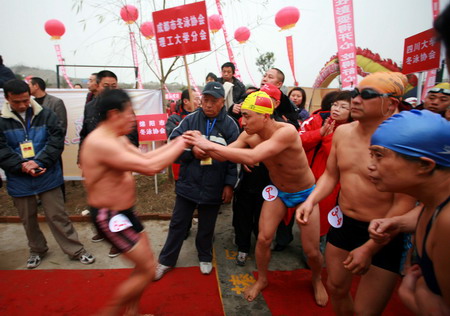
x: 437, y: 99
x: 410, y: 154
x: 204, y: 183
x: 278, y: 146
x: 349, y: 250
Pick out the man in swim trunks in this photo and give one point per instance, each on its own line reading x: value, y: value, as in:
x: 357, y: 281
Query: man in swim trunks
x: 278, y: 146
x: 349, y: 249
x: 108, y: 160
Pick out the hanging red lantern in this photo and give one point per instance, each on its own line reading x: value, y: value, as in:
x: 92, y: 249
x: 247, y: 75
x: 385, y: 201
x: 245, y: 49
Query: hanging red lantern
x: 129, y: 14
x: 147, y: 30
x: 242, y: 34
x: 55, y: 29
x: 287, y: 17
x: 215, y: 24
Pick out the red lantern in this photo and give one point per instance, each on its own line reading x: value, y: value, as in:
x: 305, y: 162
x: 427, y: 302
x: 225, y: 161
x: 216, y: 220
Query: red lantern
x: 242, y: 34
x: 129, y: 14
x: 147, y: 30
x: 55, y: 29
x: 287, y: 17
x: 215, y: 24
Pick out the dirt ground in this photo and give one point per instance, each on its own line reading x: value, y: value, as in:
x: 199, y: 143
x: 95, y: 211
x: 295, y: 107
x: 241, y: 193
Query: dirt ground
x: 148, y: 202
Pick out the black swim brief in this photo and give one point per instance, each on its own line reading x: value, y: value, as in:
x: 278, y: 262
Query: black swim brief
x: 353, y: 233
x: 122, y: 239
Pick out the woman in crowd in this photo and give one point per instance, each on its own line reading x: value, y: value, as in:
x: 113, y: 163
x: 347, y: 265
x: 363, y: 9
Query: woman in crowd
x: 298, y: 96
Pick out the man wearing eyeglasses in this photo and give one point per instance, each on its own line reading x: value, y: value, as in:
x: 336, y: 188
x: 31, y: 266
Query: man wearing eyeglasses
x: 349, y: 250
x: 437, y: 99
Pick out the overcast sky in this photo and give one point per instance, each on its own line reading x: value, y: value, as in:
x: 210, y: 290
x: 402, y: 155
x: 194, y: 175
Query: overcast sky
x: 380, y: 26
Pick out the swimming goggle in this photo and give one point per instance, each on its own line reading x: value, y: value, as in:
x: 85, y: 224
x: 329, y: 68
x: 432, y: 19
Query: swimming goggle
x: 440, y: 90
x: 368, y: 93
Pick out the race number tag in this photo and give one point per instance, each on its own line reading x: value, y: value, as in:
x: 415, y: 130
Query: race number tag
x: 206, y: 161
x: 118, y: 223
x: 270, y: 193
x: 335, y: 217
x: 27, y: 149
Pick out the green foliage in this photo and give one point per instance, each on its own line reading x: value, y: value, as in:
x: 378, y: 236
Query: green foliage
x: 265, y: 61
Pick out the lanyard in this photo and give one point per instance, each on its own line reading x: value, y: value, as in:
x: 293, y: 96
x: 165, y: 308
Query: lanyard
x: 27, y: 122
x: 209, y: 127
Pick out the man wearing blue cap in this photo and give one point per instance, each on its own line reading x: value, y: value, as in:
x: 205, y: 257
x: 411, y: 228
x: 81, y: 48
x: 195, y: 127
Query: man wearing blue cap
x: 204, y: 183
x: 411, y: 154
x: 349, y: 250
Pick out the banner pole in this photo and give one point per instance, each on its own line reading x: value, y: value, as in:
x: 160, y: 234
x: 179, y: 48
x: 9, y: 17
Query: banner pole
x: 187, y: 78
x: 156, y: 174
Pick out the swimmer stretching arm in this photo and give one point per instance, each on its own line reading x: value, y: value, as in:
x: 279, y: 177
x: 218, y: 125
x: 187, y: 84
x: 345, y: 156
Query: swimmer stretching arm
x: 132, y: 159
x: 382, y: 230
x: 237, y: 151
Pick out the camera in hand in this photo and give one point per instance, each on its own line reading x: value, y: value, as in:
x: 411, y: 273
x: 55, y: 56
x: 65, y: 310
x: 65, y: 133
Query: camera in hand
x: 38, y: 170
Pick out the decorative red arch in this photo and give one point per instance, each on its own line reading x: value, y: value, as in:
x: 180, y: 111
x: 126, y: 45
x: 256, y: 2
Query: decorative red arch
x: 367, y: 62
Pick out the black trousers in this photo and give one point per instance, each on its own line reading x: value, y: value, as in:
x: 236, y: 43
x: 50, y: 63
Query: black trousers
x: 246, y: 211
x: 181, y: 217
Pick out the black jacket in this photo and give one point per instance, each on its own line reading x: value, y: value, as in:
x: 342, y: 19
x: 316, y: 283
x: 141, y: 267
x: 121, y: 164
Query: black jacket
x: 204, y: 184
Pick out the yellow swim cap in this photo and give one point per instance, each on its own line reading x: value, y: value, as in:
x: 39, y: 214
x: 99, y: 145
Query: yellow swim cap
x: 386, y: 82
x: 258, y: 102
x: 442, y: 85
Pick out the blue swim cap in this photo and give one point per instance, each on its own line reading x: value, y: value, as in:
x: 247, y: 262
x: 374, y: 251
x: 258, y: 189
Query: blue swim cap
x: 416, y: 133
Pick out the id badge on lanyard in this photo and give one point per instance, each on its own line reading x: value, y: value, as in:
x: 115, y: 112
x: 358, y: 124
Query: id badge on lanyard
x: 27, y: 149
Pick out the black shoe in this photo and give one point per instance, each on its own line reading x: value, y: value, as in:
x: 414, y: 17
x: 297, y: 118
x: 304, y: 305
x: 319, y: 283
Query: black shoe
x: 279, y: 247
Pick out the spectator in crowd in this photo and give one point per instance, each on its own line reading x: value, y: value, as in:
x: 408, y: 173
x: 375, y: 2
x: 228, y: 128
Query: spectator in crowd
x: 204, y: 183
x: 211, y: 77
x: 106, y: 80
x: 415, y: 161
x: 298, y: 96
x: 77, y: 86
x: 437, y: 99
x: 184, y: 108
x: 349, y: 250
x: 92, y: 86
x: 412, y: 101
x: 327, y: 101
x: 37, y: 89
x: 5, y: 73
x: 238, y: 89
x: 31, y: 143
x: 108, y: 159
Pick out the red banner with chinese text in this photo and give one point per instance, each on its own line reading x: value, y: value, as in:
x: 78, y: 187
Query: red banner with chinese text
x: 421, y: 52
x: 151, y: 127
x: 182, y: 30
x: 345, y: 37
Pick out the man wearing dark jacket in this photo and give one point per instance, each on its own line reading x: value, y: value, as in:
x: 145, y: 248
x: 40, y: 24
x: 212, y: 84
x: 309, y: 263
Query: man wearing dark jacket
x: 5, y: 73
x: 31, y: 143
x: 228, y: 70
x: 204, y: 183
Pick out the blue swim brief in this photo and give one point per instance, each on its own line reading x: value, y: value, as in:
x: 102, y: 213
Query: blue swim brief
x: 294, y: 199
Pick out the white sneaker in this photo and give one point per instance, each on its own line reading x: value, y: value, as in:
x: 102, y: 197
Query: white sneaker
x: 160, y: 271
x: 205, y: 267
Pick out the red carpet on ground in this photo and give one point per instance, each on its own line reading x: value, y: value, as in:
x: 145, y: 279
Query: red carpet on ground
x: 183, y: 291
x: 290, y: 294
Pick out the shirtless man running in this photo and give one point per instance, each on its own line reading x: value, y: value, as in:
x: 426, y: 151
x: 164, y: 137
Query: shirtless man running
x: 278, y: 146
x: 108, y: 158
x: 349, y: 249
